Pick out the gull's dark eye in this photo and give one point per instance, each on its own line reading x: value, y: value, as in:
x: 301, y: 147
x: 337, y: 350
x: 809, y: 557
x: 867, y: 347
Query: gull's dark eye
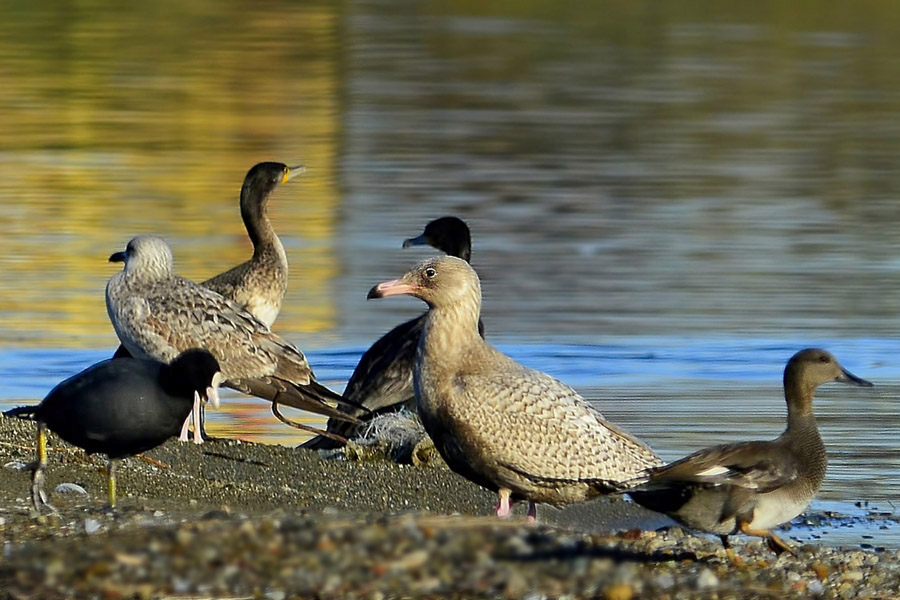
x: 430, y: 273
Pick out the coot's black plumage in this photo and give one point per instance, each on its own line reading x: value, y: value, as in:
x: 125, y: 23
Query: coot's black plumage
x: 383, y: 378
x: 124, y: 406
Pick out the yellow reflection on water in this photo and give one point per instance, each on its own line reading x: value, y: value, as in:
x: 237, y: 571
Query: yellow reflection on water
x: 121, y: 122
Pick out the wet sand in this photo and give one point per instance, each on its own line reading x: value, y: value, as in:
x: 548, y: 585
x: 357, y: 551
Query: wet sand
x: 236, y: 519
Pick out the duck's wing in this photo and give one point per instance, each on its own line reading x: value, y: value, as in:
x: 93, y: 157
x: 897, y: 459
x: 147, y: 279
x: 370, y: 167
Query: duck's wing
x: 752, y: 465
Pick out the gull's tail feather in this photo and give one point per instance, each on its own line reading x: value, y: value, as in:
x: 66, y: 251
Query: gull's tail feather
x: 313, y: 397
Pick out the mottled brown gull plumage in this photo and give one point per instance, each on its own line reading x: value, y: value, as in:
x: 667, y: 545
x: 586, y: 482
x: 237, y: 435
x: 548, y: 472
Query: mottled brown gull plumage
x: 158, y: 314
x: 500, y: 424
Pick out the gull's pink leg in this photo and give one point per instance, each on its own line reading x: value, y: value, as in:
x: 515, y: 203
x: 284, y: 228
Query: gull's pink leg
x: 503, y: 504
x: 532, y: 512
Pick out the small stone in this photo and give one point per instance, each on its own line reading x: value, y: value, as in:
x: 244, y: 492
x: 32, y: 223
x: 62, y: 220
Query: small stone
x: 853, y: 576
x: 92, y: 526
x: 516, y: 585
x: 70, y: 488
x: 707, y: 579
x: 184, y: 537
x: 619, y: 591
x: 821, y: 570
x: 665, y: 581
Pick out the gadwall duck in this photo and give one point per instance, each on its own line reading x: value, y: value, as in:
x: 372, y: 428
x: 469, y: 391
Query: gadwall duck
x: 752, y: 487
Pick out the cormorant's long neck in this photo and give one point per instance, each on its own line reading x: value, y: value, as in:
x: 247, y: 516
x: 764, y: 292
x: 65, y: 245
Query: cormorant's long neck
x: 254, y: 205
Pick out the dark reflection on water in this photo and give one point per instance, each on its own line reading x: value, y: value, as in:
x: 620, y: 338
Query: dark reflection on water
x: 667, y: 200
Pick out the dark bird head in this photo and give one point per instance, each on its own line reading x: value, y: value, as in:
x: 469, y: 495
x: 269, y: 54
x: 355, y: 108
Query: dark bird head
x: 807, y: 370
x: 196, y: 372
x: 259, y: 183
x: 816, y: 366
x: 264, y: 177
x: 450, y: 235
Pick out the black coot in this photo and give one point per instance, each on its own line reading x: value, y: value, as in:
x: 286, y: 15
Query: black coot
x: 123, y: 407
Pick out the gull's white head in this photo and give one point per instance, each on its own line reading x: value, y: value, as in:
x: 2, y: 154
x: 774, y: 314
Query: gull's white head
x: 147, y: 256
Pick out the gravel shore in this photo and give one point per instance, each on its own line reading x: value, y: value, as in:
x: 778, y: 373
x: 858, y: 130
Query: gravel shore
x: 238, y: 520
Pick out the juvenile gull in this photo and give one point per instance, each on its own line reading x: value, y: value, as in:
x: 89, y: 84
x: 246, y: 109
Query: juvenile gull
x: 158, y: 314
x: 123, y: 407
x: 383, y: 379
x: 752, y: 487
x: 496, y: 422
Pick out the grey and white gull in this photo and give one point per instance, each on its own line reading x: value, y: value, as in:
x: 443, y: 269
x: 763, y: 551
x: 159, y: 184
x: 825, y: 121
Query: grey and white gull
x: 502, y: 425
x: 157, y: 314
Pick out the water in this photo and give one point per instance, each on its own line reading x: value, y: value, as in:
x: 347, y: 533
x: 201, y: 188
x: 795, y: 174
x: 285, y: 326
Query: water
x: 666, y: 201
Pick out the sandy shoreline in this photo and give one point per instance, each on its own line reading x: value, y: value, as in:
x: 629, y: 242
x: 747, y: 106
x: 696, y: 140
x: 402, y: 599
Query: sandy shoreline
x: 233, y: 519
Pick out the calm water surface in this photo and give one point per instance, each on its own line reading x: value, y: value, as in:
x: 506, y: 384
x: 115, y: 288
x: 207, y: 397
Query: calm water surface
x: 666, y: 202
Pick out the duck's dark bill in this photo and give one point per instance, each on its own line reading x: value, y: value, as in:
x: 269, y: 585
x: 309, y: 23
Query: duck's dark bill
x: 848, y: 377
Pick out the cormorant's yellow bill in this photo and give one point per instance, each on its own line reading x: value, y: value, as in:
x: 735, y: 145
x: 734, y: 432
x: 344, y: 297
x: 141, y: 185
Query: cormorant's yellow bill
x: 291, y: 172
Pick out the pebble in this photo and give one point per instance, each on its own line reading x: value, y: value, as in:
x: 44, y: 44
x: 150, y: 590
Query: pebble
x: 815, y: 587
x: 70, y: 488
x: 707, y: 580
x: 92, y: 526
